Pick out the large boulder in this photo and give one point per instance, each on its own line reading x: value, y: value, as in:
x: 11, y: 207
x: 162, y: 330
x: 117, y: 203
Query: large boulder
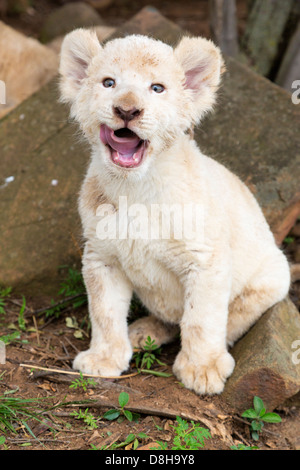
x: 25, y: 66
x: 267, y: 360
x: 68, y: 17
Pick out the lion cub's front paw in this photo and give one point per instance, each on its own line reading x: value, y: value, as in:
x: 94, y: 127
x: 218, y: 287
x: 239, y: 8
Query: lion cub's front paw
x: 89, y: 362
x: 204, y: 378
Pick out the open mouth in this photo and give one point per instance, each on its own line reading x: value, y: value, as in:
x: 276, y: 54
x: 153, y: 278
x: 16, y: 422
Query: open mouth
x: 126, y: 148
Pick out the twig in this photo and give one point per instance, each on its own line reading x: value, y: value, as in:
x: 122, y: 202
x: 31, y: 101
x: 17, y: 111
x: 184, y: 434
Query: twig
x: 101, y: 384
x: 37, y: 330
x: 241, y: 420
x: 68, y: 372
x: 61, y: 302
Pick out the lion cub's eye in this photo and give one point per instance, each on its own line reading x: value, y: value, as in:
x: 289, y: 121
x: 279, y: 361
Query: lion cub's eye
x: 157, y: 88
x: 108, y: 82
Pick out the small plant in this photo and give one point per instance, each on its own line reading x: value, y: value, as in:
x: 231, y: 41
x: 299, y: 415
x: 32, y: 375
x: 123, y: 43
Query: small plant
x: 119, y: 412
x: 15, y: 412
x: 4, y: 294
x: 82, y: 382
x: 148, y: 356
x: 21, y: 319
x: 131, y: 442
x: 73, y: 284
x: 187, y: 436
x: 87, y: 418
x: 243, y: 447
x: 258, y: 416
x: 74, y: 292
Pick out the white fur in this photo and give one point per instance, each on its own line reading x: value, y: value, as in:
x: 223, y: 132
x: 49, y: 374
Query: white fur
x: 214, y: 287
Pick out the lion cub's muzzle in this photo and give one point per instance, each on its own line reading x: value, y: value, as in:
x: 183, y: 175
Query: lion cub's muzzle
x: 126, y: 148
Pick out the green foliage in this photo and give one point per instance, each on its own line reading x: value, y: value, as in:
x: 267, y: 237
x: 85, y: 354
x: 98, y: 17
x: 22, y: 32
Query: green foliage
x: 82, y: 382
x: 21, y: 319
x: 120, y: 412
x: 73, y: 284
x: 4, y: 294
x: 243, y: 447
x: 187, y: 436
x: 15, y: 412
x: 73, y: 290
x: 148, y: 356
x: 131, y: 438
x: 258, y: 416
x: 87, y: 418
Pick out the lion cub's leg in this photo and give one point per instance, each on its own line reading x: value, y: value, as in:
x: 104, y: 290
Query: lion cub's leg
x: 109, y: 295
x: 158, y: 331
x: 268, y: 286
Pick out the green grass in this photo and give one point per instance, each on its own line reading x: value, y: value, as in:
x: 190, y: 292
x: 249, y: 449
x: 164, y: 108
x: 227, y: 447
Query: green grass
x: 15, y: 412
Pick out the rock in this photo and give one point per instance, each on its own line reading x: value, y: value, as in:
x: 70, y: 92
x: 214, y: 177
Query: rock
x: 25, y: 66
x: 258, y: 140
x: 267, y: 360
x: 68, y: 17
x: 100, y: 4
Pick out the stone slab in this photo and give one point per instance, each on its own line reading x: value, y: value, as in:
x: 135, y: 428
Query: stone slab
x: 267, y: 361
x: 254, y: 132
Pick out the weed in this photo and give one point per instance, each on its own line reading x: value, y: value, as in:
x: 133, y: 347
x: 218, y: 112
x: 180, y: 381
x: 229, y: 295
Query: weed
x: 258, y: 417
x: 4, y: 294
x: 187, y: 436
x: 83, y: 383
x: 87, y: 418
x: 148, y: 356
x: 289, y: 240
x: 131, y: 442
x: 243, y: 447
x: 15, y: 412
x: 74, y: 292
x: 119, y: 412
x: 21, y: 319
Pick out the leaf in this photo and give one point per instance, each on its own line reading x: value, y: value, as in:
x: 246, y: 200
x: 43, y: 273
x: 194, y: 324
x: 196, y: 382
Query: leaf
x: 71, y: 322
x: 255, y: 436
x: 251, y: 414
x: 271, y: 418
x: 256, y: 425
x: 258, y: 405
x: 123, y: 399
x: 128, y: 415
x: 111, y: 414
x: 2, y: 440
x: 21, y: 319
x: 78, y: 334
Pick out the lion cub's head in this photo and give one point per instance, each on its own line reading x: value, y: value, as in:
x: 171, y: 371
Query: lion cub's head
x: 135, y: 95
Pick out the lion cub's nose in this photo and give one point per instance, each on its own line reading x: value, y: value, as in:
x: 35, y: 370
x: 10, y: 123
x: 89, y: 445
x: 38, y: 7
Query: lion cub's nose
x: 127, y: 115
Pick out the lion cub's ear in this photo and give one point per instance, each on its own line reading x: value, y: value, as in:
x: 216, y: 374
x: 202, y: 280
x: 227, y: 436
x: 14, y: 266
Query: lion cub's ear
x: 203, y: 65
x: 77, y: 50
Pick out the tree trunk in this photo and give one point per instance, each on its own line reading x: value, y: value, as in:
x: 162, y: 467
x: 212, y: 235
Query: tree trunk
x: 264, y: 30
x: 223, y: 25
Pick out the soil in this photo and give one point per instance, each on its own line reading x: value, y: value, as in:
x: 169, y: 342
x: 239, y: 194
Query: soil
x: 50, y: 342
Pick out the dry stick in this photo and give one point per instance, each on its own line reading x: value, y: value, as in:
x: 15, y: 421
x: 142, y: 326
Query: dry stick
x: 61, y: 302
x: 61, y: 371
x: 146, y: 410
x: 241, y: 420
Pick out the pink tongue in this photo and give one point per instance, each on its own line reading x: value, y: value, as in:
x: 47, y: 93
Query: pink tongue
x: 125, y: 146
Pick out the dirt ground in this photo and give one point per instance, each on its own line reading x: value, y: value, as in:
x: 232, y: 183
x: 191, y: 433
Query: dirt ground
x: 50, y: 342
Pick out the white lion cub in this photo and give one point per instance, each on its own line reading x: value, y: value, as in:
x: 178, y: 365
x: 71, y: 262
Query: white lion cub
x: 135, y: 100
